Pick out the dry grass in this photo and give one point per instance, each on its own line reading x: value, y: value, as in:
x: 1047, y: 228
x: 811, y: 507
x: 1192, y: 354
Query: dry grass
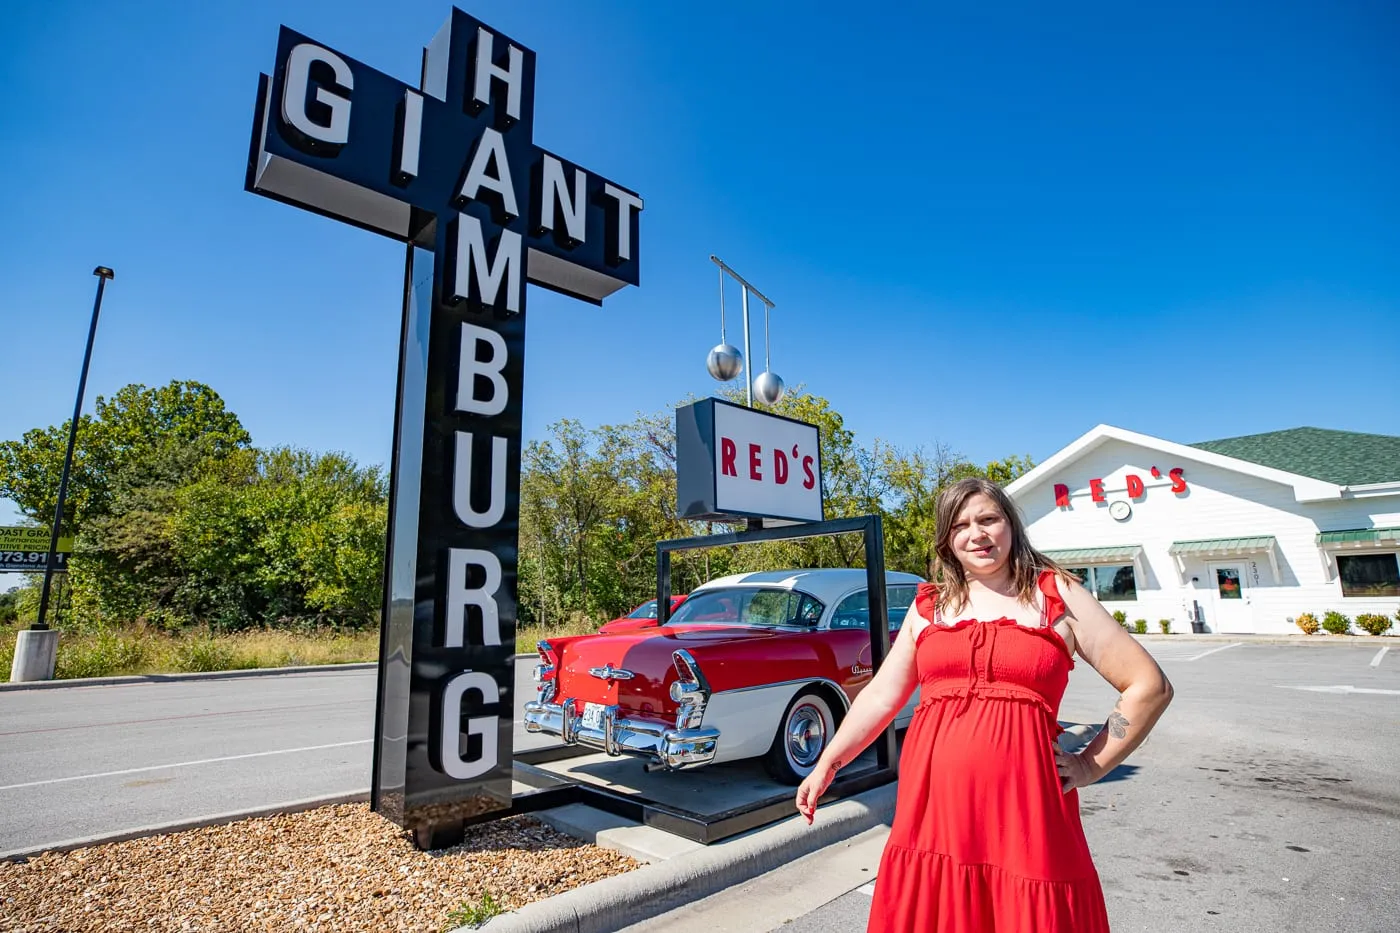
x: 332, y: 869
x: 138, y: 650
x: 574, y: 624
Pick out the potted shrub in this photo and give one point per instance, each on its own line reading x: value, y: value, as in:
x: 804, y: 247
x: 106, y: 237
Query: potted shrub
x: 1120, y: 617
x: 1308, y: 623
x: 1336, y: 623
x: 1165, y: 625
x: 1373, y: 623
x: 1140, y: 626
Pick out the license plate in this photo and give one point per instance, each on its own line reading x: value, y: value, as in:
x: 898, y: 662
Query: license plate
x: 593, y: 716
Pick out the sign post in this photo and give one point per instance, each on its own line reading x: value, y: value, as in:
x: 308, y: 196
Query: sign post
x: 449, y: 167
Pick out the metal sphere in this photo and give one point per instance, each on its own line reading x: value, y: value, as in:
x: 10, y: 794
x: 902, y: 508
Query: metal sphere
x: 725, y: 362
x: 768, y: 388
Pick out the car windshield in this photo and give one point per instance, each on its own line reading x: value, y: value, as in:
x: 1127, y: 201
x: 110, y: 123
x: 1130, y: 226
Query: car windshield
x: 644, y: 611
x: 748, y: 606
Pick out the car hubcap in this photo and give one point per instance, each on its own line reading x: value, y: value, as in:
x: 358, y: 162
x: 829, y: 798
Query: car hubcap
x: 806, y: 735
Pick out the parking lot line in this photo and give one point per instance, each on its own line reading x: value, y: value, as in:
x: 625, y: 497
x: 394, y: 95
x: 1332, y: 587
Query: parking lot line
x: 186, y: 764
x: 1376, y: 661
x: 1213, y: 651
x: 1344, y: 688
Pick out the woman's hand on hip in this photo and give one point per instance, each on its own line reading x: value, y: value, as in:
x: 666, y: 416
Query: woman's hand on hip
x: 1074, y: 770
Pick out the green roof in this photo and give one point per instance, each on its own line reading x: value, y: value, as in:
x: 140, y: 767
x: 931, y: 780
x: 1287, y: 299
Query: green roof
x: 1095, y: 555
x: 1360, y: 536
x: 1224, y: 545
x: 1342, y: 457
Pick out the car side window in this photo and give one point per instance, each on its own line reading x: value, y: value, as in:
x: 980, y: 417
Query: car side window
x: 809, y: 612
x: 900, y: 598
x: 782, y: 607
x: 854, y: 610
x: 770, y: 607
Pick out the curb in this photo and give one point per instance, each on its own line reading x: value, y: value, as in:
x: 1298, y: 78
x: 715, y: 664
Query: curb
x: 649, y: 891
x: 1302, y: 641
x: 178, y: 678
x: 294, y: 806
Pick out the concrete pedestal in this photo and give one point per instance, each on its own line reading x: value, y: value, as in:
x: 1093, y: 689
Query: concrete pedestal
x: 35, y: 654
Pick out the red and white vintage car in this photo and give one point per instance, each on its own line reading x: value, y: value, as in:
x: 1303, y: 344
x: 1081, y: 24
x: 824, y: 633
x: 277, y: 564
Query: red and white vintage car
x: 751, y: 665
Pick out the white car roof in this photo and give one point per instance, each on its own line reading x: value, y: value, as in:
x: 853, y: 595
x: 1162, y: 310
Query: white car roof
x: 826, y: 585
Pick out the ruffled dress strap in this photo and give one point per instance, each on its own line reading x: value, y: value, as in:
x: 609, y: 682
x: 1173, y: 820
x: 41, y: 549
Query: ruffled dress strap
x: 926, y: 601
x: 1054, y: 603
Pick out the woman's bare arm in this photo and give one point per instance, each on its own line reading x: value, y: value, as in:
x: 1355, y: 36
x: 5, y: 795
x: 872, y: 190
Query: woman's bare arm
x: 873, y: 710
x: 1143, y: 690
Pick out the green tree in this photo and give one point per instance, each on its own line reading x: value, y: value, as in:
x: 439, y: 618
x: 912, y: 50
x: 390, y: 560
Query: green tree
x: 128, y: 437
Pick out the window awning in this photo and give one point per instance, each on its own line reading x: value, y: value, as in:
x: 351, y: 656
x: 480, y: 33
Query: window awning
x: 1223, y: 546
x: 1360, y: 537
x: 1207, y: 548
x: 1096, y: 555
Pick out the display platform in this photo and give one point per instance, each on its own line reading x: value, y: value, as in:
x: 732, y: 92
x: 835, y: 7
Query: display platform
x: 703, y: 805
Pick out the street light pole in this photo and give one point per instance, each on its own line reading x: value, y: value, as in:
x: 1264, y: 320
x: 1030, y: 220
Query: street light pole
x: 103, y: 274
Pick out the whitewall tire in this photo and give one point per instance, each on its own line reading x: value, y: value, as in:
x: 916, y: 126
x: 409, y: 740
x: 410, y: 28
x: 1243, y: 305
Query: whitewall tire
x: 803, y: 733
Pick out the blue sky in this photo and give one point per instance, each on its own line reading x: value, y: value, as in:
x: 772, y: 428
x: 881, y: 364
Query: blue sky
x: 991, y: 225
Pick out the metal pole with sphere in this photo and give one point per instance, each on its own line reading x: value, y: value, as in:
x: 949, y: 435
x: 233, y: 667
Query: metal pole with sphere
x: 36, y: 649
x: 726, y: 362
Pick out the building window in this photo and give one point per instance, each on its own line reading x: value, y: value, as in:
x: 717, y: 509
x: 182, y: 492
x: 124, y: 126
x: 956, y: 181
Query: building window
x: 1227, y: 583
x: 1369, y: 574
x: 1108, y: 582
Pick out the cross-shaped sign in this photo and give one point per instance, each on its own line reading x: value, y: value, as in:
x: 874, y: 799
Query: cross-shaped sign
x: 451, y: 166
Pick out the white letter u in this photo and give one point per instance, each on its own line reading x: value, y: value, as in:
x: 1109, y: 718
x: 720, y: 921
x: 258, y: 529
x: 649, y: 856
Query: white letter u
x: 462, y: 483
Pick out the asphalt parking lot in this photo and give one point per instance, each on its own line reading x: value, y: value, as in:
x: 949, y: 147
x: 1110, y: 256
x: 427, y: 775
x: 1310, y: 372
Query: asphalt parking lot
x: 1267, y: 799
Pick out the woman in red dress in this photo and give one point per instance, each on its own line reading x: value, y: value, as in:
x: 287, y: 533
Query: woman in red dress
x: 986, y: 834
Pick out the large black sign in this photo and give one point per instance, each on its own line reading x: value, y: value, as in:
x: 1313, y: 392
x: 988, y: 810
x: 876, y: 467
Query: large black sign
x: 449, y: 167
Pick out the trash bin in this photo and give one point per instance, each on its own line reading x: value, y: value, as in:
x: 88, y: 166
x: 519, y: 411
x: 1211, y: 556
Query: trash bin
x: 1198, y: 619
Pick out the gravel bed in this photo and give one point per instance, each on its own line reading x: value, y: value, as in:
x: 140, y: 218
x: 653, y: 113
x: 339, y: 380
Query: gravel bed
x: 330, y: 869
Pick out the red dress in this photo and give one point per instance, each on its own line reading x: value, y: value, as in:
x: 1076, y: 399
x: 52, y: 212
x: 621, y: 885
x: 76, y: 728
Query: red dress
x: 983, y: 839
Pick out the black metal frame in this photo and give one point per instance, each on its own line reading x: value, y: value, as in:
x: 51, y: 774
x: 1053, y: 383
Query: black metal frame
x: 873, y: 530
x: 554, y: 790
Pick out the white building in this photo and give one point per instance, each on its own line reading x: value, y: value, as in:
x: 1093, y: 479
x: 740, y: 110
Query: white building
x: 1252, y: 530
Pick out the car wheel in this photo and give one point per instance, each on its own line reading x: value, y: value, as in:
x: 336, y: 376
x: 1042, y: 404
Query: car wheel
x: 803, y: 734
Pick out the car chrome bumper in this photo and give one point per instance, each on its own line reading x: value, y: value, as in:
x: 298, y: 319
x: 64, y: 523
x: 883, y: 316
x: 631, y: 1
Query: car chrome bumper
x: 670, y: 747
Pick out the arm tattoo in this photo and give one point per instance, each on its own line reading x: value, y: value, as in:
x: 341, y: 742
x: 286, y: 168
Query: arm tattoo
x: 1117, y: 723
x: 837, y: 765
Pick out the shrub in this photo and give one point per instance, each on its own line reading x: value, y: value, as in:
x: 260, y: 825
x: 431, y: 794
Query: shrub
x: 199, y: 655
x: 1165, y: 625
x: 1373, y: 623
x: 1140, y: 626
x: 1308, y: 623
x: 1336, y: 623
x: 102, y: 655
x: 1120, y: 617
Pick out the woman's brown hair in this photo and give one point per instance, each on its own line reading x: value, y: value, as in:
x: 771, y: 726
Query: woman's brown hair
x: 1025, y: 562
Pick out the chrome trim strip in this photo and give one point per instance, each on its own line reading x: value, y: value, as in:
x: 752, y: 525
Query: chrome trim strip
x: 799, y: 682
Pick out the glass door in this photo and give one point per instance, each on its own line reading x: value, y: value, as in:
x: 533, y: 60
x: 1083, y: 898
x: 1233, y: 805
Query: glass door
x: 1233, y: 612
